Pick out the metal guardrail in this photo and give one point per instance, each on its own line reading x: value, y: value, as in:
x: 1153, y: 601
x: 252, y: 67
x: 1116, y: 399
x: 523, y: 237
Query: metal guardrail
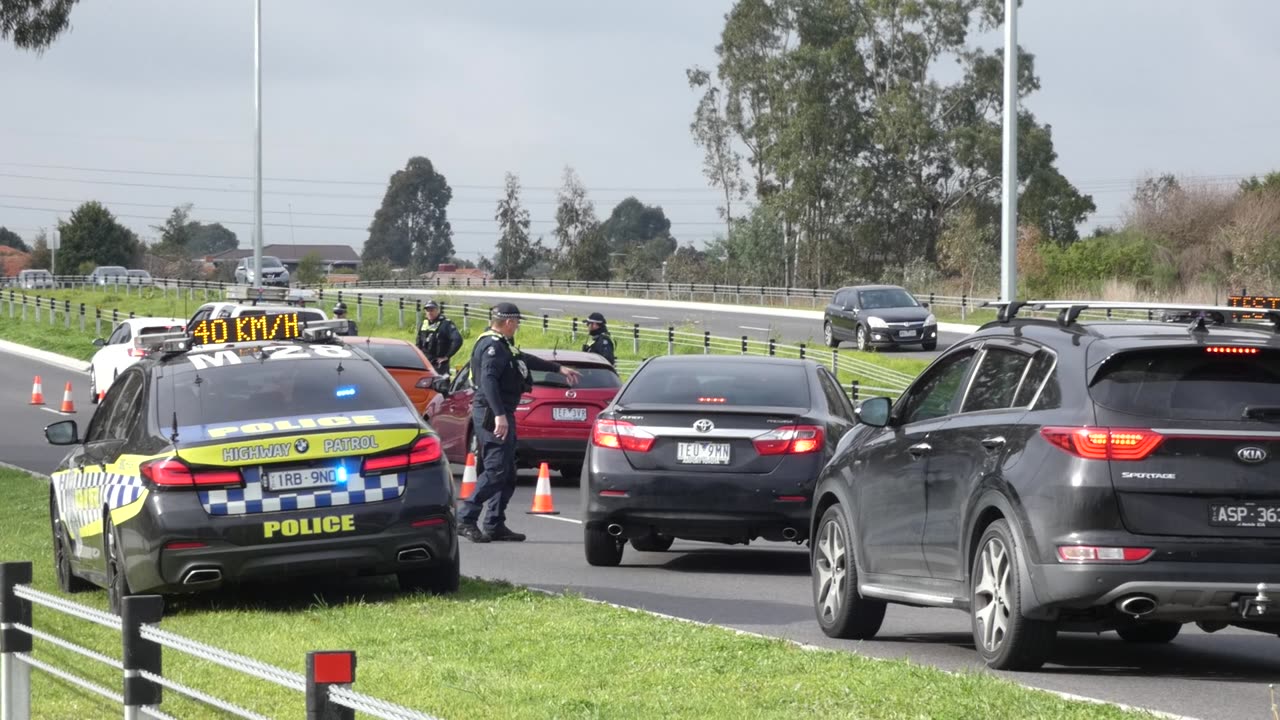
x: 326, y: 684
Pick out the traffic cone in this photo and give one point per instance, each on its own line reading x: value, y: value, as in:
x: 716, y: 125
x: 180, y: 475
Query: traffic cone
x: 101, y: 394
x: 37, y: 392
x: 68, y: 406
x: 468, y: 478
x: 542, y: 503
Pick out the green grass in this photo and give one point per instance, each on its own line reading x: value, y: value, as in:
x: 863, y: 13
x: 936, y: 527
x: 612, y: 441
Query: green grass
x: 495, y: 650
x: 153, y: 302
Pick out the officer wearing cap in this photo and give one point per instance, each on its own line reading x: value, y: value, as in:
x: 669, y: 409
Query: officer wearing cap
x: 340, y: 312
x: 438, y: 337
x: 501, y: 375
x: 601, y: 343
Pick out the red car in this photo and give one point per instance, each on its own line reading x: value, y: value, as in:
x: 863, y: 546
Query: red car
x: 554, y: 420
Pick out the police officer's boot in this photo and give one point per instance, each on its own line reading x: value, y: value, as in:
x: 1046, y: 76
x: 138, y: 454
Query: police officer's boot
x: 472, y: 533
x: 502, y: 533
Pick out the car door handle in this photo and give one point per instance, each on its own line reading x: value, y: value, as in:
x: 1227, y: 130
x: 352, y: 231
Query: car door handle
x: 920, y: 449
x: 993, y: 443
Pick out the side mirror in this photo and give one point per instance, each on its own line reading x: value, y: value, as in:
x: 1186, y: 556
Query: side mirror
x: 99, y: 342
x: 63, y: 432
x: 874, y: 411
x: 924, y: 305
x: 442, y: 384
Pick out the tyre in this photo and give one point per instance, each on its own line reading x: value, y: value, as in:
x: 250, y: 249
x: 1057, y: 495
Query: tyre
x: 930, y: 345
x: 1150, y: 632
x: 1003, y: 637
x: 653, y: 543
x: 117, y: 582
x: 439, y: 580
x: 842, y: 612
x: 861, y: 338
x: 828, y: 335
x: 68, y: 582
x: 603, y: 550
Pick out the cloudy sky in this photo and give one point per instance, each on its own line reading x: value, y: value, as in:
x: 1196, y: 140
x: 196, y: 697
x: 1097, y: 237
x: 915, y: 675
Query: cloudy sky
x: 146, y: 104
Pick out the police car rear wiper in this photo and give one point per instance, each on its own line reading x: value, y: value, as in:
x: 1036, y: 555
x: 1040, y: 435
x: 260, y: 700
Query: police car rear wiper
x: 1270, y: 413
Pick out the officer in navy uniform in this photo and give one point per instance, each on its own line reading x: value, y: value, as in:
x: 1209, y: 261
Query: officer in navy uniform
x: 601, y: 343
x: 501, y: 373
x: 438, y: 338
x: 340, y: 313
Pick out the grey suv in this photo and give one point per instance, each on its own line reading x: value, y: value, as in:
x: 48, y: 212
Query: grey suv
x: 273, y: 271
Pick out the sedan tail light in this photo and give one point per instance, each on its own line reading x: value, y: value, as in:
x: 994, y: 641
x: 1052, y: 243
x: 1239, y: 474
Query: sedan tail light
x: 424, y: 383
x: 790, y: 440
x: 424, y: 451
x: 621, y: 435
x: 137, y: 352
x: 1100, y: 443
x: 174, y: 473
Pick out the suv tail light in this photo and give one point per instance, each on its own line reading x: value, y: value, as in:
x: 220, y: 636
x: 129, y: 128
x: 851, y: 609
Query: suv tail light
x: 174, y: 473
x: 621, y: 435
x: 1093, y: 554
x: 425, y: 450
x: 790, y: 440
x: 1100, y: 443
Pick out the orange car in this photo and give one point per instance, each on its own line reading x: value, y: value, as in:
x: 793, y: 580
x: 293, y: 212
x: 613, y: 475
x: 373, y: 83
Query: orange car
x: 406, y: 363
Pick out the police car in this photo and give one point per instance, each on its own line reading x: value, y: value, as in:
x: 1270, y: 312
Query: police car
x: 246, y: 448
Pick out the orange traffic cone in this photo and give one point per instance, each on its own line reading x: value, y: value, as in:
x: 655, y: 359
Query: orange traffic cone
x: 68, y: 406
x: 468, y: 478
x: 542, y: 503
x: 101, y: 394
x: 37, y: 392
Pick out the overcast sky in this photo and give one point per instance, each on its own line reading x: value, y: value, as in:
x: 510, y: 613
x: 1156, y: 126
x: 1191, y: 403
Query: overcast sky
x: 164, y: 88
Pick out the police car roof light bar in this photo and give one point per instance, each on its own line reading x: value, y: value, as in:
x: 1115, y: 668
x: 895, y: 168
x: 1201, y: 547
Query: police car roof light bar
x: 1069, y: 310
x: 164, y: 342
x: 316, y: 330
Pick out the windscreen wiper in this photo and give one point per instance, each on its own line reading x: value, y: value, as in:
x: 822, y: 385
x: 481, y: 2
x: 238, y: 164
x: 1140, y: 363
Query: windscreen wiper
x: 1269, y: 413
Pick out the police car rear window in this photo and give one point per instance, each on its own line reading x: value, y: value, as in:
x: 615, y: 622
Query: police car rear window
x: 703, y: 383
x: 1194, y: 383
x: 247, y: 388
x: 400, y: 357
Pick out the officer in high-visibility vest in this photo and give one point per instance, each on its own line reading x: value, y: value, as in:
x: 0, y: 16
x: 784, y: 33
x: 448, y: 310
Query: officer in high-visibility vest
x: 438, y: 337
x: 601, y: 343
x: 501, y: 373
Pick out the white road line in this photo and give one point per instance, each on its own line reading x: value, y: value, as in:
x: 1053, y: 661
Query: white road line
x: 552, y: 309
x: 644, y: 317
x: 752, y: 327
x: 55, y: 412
x: 561, y: 519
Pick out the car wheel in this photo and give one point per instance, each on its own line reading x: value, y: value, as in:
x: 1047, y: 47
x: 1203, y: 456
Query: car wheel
x: 861, y: 338
x: 439, y: 580
x: 829, y: 335
x: 930, y: 345
x: 603, y: 550
x: 653, y: 542
x: 1151, y: 632
x: 117, y: 582
x: 842, y: 612
x: 68, y: 582
x: 1004, y: 638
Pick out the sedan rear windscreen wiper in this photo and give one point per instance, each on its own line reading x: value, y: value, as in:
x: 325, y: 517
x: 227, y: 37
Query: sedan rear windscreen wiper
x: 1262, y: 412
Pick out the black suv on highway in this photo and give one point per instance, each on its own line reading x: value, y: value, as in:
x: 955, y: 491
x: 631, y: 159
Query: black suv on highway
x: 1051, y: 476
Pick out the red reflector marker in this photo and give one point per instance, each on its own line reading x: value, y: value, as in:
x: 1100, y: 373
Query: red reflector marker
x: 428, y: 522
x: 791, y: 498
x: 332, y: 668
x: 613, y: 493
x: 184, y: 545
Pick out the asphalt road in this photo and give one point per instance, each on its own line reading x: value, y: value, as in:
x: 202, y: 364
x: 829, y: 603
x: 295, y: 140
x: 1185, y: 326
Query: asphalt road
x: 765, y: 588
x: 733, y: 321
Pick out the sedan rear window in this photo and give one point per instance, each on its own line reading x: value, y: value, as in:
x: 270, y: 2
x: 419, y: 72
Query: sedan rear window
x: 399, y: 357
x: 593, y: 377
x: 1195, y: 383
x: 727, y: 383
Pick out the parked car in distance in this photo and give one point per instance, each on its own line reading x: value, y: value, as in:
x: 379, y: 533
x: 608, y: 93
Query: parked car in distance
x: 139, y: 277
x: 878, y: 316
x: 36, y: 279
x: 109, y: 275
x: 273, y: 271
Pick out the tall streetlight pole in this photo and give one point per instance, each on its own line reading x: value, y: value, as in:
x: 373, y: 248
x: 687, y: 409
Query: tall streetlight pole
x: 257, y: 143
x: 1009, y: 189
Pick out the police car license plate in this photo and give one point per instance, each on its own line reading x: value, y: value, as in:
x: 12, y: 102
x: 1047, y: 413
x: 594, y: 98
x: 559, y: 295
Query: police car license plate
x: 569, y: 414
x: 301, y: 478
x: 694, y: 453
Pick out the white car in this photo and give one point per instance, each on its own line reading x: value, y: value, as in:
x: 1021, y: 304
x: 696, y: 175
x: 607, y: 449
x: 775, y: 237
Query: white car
x: 121, y: 349
x: 212, y: 310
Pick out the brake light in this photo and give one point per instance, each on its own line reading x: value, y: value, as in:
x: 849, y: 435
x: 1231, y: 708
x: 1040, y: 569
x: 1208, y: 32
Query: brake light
x: 526, y: 399
x: 424, y: 450
x: 1092, y: 554
x: 137, y: 352
x: 173, y: 472
x: 1227, y: 350
x: 1104, y: 443
x: 790, y: 440
x: 713, y: 400
x: 621, y: 435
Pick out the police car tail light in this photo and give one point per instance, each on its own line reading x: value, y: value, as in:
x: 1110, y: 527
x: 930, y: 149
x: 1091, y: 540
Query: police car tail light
x: 790, y: 440
x: 621, y: 435
x: 1100, y: 443
x: 172, y: 472
x: 424, y: 451
x: 1092, y: 554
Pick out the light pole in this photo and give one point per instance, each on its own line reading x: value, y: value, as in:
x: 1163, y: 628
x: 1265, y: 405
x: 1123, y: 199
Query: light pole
x: 257, y: 143
x: 1009, y: 185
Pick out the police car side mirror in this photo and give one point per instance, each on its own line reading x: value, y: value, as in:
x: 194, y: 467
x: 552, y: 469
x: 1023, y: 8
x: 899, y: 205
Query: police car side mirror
x: 63, y: 432
x: 99, y: 342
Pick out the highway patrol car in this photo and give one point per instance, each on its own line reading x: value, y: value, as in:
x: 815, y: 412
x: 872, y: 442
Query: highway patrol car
x: 247, y: 448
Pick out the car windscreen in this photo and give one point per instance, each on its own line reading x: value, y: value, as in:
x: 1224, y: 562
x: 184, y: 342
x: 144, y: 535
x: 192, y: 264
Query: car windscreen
x: 594, y: 377
x: 400, y: 357
x: 156, y: 329
x: 1191, y: 383
x: 722, y: 383
x: 271, y: 262
x: 245, y: 389
x: 886, y: 298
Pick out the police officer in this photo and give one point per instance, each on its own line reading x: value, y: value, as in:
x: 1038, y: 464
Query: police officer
x: 438, y: 338
x: 501, y: 374
x: 601, y: 343
x: 340, y: 312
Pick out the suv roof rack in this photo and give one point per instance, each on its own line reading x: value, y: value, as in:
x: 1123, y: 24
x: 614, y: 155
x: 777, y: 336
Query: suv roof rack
x: 1069, y: 310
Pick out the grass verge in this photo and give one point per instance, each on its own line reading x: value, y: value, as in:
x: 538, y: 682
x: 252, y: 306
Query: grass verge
x: 495, y: 650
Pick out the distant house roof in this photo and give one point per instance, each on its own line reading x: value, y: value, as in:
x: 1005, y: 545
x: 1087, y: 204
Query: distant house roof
x: 12, y: 260
x: 293, y: 254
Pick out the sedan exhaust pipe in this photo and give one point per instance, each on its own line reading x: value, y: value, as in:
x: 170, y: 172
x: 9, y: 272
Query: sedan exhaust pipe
x: 789, y: 533
x: 199, y: 577
x: 615, y: 530
x: 1136, y: 605
x: 413, y: 555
